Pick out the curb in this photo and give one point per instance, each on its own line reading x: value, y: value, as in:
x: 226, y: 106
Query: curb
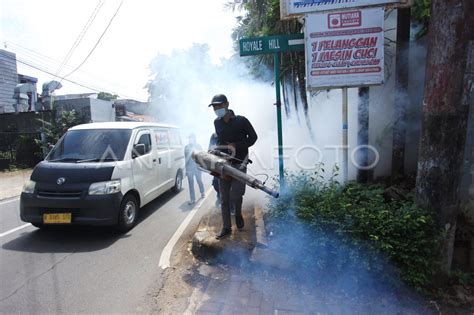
x: 232, y: 250
x: 9, y: 199
x: 11, y: 183
x: 260, y: 231
x: 263, y: 255
x: 243, y: 247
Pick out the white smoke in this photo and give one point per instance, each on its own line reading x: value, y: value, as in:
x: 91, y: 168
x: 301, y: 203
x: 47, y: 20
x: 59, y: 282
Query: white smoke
x: 185, y: 81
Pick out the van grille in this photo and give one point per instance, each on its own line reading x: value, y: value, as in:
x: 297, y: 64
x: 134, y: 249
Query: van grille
x: 59, y: 194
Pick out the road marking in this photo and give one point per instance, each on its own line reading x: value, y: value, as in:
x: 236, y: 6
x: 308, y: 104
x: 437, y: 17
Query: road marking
x: 8, y: 201
x: 15, y: 229
x: 166, y: 254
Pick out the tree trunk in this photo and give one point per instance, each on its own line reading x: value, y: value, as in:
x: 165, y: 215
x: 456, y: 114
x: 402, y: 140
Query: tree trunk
x: 401, y: 93
x: 445, y: 114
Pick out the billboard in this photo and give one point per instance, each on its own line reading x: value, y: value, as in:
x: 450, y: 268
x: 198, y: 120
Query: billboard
x: 295, y: 8
x: 344, y: 48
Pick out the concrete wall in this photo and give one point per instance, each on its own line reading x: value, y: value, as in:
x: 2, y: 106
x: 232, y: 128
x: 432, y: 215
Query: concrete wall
x: 8, y: 80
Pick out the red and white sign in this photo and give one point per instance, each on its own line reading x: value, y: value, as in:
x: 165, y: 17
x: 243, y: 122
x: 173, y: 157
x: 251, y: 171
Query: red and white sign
x: 344, y: 19
x: 296, y: 8
x: 344, y: 49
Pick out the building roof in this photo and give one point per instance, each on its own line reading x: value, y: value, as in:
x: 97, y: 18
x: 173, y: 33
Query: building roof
x: 27, y: 78
x: 76, y: 96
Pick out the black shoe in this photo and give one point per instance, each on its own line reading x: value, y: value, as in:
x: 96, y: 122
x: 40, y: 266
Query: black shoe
x: 239, y: 221
x: 223, y: 233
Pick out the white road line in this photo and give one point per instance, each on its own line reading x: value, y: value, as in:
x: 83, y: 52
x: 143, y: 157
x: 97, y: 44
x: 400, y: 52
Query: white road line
x: 166, y: 254
x: 8, y: 201
x: 15, y: 229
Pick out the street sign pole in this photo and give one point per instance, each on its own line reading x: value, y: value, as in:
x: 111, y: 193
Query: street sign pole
x: 276, y: 60
x: 275, y: 45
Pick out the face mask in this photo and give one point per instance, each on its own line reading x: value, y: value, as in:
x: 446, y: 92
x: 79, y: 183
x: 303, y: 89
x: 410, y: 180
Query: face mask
x: 220, y: 112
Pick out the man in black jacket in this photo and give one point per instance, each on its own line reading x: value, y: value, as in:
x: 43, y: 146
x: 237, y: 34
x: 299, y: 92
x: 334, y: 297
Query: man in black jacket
x: 235, y: 135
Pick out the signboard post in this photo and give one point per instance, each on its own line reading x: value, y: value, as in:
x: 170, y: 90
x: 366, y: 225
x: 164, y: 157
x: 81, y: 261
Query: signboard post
x: 274, y: 45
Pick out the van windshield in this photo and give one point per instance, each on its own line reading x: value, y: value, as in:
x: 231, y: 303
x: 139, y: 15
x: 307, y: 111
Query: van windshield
x: 93, y: 145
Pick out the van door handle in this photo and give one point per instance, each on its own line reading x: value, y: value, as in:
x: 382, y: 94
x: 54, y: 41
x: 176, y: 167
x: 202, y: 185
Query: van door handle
x: 159, y: 160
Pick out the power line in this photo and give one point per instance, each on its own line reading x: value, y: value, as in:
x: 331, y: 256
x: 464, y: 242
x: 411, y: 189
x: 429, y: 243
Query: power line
x: 65, y: 79
x: 47, y: 62
x: 32, y: 53
x: 33, y: 56
x: 97, y: 43
x: 81, y: 35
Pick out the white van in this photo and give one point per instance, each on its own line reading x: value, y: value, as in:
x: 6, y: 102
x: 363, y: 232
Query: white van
x: 102, y: 173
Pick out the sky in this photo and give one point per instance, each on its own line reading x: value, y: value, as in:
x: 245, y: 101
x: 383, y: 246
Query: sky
x: 41, y: 33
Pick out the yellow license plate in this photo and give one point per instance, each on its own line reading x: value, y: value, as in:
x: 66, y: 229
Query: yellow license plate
x: 56, y: 218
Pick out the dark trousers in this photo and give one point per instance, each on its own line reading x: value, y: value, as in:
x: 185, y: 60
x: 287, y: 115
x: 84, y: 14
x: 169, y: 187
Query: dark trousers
x: 191, y: 176
x: 215, y: 184
x: 232, y: 192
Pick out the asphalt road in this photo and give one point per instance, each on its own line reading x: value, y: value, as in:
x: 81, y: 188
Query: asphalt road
x: 87, y: 270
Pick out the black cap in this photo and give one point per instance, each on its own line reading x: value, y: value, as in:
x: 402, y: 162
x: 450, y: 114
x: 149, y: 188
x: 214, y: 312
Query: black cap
x: 218, y: 99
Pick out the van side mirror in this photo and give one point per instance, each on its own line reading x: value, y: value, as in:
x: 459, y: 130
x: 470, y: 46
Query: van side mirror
x: 138, y: 150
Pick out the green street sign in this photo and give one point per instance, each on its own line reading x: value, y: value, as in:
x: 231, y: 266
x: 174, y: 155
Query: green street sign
x: 271, y: 44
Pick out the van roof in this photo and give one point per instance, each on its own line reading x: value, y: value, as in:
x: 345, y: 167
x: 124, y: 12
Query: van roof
x: 119, y: 125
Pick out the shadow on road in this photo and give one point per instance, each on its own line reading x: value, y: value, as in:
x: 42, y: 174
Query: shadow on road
x: 155, y: 205
x: 67, y: 239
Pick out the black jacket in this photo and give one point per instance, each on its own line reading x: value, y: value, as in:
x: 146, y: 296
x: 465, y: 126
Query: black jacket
x: 237, y: 130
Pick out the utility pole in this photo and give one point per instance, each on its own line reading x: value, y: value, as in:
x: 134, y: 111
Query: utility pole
x: 363, y: 174
x: 401, y: 93
x: 445, y: 115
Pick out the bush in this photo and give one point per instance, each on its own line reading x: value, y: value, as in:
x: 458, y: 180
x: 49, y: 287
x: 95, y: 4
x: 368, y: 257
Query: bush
x: 354, y: 229
x: 28, y: 152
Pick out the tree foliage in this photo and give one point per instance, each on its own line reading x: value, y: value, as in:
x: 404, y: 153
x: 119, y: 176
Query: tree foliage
x: 53, y: 131
x: 107, y: 96
x: 262, y: 18
x: 421, y: 13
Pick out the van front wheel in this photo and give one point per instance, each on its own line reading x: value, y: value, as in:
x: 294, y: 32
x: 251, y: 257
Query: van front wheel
x: 178, y: 183
x: 128, y: 213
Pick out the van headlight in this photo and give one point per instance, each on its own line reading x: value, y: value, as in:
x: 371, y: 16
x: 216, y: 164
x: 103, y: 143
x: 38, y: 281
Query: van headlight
x: 29, y: 187
x: 105, y: 188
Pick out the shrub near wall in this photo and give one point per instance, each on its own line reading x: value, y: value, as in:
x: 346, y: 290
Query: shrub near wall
x: 353, y: 229
x: 28, y: 152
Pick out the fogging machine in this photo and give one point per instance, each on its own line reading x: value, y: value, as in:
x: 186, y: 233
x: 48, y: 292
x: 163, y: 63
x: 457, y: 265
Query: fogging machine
x: 218, y: 164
